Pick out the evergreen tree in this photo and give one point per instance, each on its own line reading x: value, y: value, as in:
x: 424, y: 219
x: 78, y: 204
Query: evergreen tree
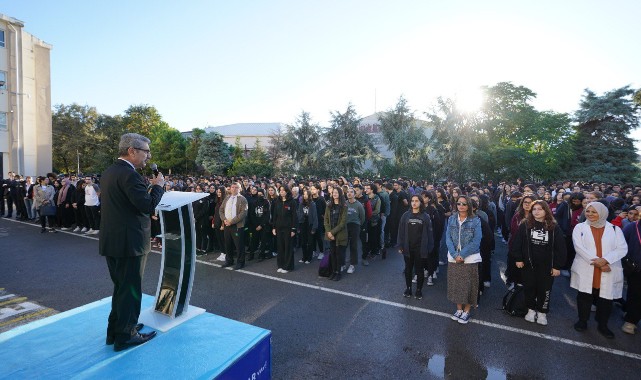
x: 214, y: 154
x: 302, y: 142
x: 347, y: 147
x: 604, y: 150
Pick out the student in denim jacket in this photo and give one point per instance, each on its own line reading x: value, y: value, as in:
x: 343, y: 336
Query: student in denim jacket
x: 463, y: 240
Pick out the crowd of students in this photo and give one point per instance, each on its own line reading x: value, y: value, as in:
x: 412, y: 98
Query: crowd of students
x: 586, y: 231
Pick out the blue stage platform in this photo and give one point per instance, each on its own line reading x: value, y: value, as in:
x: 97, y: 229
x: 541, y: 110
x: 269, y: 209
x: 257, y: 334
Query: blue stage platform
x: 71, y: 345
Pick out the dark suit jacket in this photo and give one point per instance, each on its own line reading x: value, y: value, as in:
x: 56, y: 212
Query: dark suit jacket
x: 126, y: 203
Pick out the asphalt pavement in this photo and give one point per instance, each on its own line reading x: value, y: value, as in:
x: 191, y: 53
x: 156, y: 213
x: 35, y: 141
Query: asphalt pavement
x: 358, y: 328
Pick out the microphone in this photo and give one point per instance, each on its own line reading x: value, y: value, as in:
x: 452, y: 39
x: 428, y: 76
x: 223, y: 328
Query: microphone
x: 154, y: 168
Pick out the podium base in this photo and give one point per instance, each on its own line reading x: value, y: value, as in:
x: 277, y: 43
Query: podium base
x: 164, y: 323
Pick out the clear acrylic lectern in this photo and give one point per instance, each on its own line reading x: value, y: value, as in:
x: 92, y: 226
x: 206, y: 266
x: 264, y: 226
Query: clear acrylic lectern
x: 171, y: 306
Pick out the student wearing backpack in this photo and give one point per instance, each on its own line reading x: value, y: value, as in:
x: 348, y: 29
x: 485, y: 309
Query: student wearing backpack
x: 596, y: 271
x: 538, y: 249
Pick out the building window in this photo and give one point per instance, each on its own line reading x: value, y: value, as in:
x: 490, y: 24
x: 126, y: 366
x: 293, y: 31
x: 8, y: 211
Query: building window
x: 3, y: 121
x: 1, y: 38
x: 3, y: 80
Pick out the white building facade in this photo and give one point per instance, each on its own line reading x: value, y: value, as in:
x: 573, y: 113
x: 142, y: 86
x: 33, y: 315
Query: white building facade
x: 25, y: 101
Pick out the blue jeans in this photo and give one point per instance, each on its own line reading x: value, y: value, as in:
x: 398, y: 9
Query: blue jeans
x: 31, y: 213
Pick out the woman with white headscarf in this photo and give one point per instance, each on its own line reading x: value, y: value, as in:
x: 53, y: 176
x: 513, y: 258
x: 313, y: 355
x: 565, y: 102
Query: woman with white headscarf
x: 596, y: 272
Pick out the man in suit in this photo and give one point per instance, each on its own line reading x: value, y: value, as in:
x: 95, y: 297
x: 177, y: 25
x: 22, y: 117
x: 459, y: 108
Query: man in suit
x: 125, y: 233
x: 233, y: 212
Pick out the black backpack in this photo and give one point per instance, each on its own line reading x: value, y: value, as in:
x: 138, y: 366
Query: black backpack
x: 514, y: 302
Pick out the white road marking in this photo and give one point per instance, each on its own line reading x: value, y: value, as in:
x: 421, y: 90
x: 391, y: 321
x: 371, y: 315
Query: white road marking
x: 7, y: 296
x: 553, y: 338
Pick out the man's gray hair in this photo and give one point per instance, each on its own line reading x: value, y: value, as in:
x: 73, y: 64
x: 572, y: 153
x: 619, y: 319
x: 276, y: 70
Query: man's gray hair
x: 131, y: 140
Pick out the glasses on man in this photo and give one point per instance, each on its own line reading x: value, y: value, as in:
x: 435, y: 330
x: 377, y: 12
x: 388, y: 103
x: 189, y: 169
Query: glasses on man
x: 461, y: 204
x: 147, y: 151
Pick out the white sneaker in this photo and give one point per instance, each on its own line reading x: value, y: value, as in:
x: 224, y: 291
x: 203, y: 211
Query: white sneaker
x: 301, y: 261
x: 486, y: 284
x: 425, y: 273
x: 222, y: 257
x: 343, y: 268
x: 351, y: 269
x: 84, y: 230
x: 95, y: 232
x: 464, y: 318
x: 629, y: 328
x: 434, y: 275
x: 89, y: 232
x: 541, y: 319
x: 77, y: 229
x: 429, y: 281
x: 314, y: 254
x: 284, y: 271
x: 306, y: 262
x: 414, y: 279
x: 279, y: 270
x: 530, y: 316
x: 321, y: 255
x: 65, y: 228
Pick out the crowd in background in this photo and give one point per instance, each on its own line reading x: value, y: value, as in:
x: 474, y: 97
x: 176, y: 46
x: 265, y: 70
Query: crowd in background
x: 586, y: 231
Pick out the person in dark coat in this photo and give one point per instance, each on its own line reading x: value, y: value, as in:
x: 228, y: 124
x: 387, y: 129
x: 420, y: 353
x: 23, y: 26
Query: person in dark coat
x: 284, y: 228
x: 415, y: 241
x: 125, y: 232
x: 307, y: 225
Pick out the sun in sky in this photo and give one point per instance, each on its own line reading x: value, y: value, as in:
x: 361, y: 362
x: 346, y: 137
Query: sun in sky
x: 469, y: 100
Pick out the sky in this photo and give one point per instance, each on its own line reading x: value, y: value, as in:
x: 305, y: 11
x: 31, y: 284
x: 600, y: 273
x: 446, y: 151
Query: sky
x: 207, y: 63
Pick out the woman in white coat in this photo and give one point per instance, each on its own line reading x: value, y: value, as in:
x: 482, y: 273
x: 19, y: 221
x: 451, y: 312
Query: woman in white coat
x: 596, y: 272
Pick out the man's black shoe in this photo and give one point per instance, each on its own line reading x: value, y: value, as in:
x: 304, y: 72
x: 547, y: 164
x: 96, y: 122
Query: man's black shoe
x: 111, y: 338
x: 134, y: 341
x: 227, y: 264
x: 419, y: 294
x: 239, y: 266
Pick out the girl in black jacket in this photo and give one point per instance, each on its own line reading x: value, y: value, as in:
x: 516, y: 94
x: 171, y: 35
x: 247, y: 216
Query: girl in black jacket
x: 539, y: 249
x: 308, y: 224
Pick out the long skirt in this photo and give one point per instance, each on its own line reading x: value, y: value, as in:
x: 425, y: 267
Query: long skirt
x: 463, y: 283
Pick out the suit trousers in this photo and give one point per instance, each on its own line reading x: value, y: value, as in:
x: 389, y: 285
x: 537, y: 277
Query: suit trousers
x: 234, y: 242
x: 126, y: 274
